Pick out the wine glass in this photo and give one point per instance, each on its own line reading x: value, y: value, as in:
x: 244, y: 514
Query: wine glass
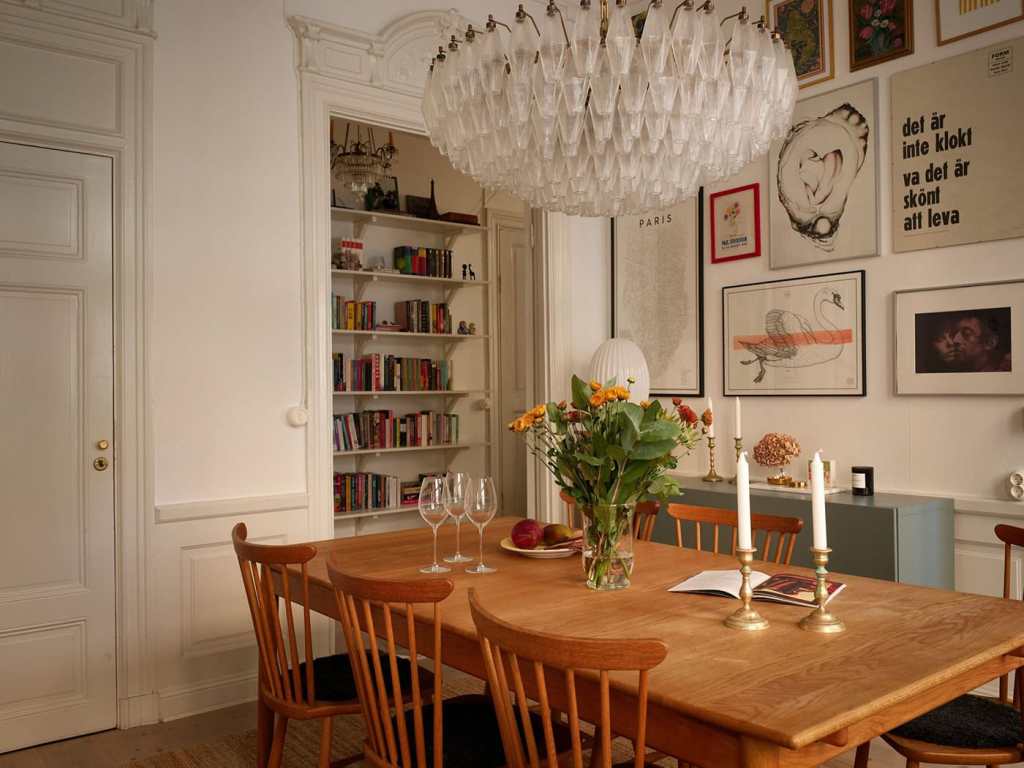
x: 481, y: 504
x: 433, y: 513
x: 456, y: 486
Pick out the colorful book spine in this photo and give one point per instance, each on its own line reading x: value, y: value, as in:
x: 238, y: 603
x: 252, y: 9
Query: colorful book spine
x: 381, y: 430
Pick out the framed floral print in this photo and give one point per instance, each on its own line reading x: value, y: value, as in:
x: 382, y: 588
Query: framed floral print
x: 880, y: 30
x: 736, y: 224
x: 807, y: 26
x: 957, y: 19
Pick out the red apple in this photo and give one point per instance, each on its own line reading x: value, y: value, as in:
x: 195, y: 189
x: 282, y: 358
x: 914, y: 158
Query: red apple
x: 527, y: 534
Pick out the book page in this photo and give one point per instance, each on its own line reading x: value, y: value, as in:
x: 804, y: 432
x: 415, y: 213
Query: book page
x: 719, y: 582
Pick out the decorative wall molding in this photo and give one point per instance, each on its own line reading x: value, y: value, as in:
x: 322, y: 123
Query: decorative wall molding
x: 187, y: 700
x: 395, y: 59
x: 249, y: 505
x: 128, y: 15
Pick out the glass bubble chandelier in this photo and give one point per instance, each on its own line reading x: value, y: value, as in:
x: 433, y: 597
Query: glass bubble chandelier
x: 596, y: 120
x: 361, y: 163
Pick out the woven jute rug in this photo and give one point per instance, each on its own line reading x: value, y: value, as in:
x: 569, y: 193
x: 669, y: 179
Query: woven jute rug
x: 302, y: 745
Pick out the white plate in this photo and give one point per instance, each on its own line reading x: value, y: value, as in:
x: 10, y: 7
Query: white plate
x: 540, y: 554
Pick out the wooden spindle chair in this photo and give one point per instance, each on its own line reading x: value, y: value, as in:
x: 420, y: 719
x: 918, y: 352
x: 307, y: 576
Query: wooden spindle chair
x: 459, y: 731
x: 644, y: 517
x: 767, y: 531
x: 507, y: 649
x: 294, y: 685
x: 970, y: 729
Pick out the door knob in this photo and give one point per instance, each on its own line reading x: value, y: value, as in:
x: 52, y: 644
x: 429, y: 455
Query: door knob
x: 100, y: 464
x: 103, y: 445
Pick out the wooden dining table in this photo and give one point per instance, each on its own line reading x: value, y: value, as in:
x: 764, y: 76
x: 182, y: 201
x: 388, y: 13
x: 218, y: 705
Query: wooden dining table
x: 764, y: 699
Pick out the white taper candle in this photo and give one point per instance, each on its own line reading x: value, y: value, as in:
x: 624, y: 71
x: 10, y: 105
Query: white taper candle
x: 738, y: 432
x: 743, y: 502
x: 818, y: 502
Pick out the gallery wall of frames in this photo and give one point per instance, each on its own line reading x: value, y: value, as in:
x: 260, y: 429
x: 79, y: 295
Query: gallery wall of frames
x: 863, y: 288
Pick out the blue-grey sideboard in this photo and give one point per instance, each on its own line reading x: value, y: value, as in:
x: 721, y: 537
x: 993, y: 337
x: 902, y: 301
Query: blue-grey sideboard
x: 890, y: 536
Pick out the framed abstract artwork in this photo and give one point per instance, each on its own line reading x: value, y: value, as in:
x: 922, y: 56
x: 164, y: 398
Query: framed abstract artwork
x: 823, y: 180
x: 880, y: 30
x: 658, y: 293
x: 735, y: 224
x: 807, y: 26
x: 802, y: 336
x: 960, y: 340
x: 956, y: 151
x: 957, y: 19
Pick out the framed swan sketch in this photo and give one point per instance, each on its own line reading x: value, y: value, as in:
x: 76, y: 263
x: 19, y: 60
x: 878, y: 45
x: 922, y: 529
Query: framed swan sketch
x: 802, y: 336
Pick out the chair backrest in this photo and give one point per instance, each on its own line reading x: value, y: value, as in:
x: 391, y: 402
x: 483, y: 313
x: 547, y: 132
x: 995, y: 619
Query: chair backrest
x: 1011, y: 536
x: 280, y: 675
x: 507, y: 649
x: 644, y: 517
x: 783, y: 529
x: 369, y: 607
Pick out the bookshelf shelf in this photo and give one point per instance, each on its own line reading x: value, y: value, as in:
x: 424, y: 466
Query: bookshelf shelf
x: 371, y: 276
x: 382, y: 451
x: 415, y: 393
x: 362, y: 219
x: 358, y: 513
x: 447, y: 337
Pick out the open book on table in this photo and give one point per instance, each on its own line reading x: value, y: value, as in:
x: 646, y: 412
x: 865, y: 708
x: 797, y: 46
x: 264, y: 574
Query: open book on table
x: 788, y: 588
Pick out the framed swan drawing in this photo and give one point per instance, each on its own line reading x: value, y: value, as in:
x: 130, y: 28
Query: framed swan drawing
x: 802, y: 336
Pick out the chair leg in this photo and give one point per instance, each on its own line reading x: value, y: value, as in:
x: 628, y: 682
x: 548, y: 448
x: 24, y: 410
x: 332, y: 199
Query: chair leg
x: 326, y: 731
x: 913, y: 763
x: 277, y: 746
x: 264, y: 731
x: 861, y: 760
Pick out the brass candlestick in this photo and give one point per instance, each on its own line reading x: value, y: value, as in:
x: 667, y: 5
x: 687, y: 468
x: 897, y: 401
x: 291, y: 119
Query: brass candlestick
x: 739, y: 450
x: 746, y: 617
x: 711, y: 476
x: 821, y: 619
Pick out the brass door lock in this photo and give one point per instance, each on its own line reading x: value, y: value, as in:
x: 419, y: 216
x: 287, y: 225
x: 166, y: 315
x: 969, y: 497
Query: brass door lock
x: 102, y: 445
x: 100, y: 464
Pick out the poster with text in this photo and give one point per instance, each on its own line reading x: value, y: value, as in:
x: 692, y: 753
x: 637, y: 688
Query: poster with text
x: 957, y: 154
x: 823, y: 180
x: 657, y: 293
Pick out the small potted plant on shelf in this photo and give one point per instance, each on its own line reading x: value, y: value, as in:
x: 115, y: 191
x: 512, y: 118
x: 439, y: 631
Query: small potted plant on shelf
x: 608, y: 453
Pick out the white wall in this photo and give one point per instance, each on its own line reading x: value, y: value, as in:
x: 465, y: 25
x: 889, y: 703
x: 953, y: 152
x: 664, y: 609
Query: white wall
x: 959, y: 446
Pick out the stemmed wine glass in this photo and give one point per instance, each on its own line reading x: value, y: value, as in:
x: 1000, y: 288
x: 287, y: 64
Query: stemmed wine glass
x: 481, y: 504
x: 456, y: 486
x: 432, y: 510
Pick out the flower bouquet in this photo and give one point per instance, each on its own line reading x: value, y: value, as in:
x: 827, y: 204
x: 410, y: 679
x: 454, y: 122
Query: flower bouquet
x: 777, y: 449
x: 607, y: 453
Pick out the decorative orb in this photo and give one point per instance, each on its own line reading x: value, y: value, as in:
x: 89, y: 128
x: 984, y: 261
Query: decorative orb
x: 622, y: 359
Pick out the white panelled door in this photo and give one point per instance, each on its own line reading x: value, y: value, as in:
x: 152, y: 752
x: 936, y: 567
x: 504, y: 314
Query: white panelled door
x: 57, y: 626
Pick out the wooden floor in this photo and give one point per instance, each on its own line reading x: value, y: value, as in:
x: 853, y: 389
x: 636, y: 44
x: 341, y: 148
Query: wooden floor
x: 113, y: 749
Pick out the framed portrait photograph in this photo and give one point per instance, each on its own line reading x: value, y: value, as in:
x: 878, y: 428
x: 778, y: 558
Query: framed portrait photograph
x: 803, y: 336
x: 957, y: 19
x: 807, y: 26
x: 658, y: 293
x: 823, y: 180
x: 735, y: 224
x: 880, y: 30
x: 960, y: 340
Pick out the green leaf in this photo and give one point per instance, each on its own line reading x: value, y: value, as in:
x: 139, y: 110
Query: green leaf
x: 580, y: 390
x: 634, y: 413
x: 616, y: 452
x: 652, y: 450
x: 593, y: 461
x: 660, y: 430
x: 652, y: 412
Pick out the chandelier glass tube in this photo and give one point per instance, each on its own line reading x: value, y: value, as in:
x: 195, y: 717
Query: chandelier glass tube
x: 591, y: 119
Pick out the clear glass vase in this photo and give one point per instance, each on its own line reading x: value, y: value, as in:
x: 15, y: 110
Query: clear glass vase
x: 608, y: 545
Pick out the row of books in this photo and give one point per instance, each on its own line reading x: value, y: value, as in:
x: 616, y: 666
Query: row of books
x: 419, y: 316
x: 388, y: 373
x: 373, y: 430
x: 363, y: 491
x: 353, y: 315
x: 419, y: 260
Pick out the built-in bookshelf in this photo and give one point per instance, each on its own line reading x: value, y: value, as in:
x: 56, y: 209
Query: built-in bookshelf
x: 462, y: 400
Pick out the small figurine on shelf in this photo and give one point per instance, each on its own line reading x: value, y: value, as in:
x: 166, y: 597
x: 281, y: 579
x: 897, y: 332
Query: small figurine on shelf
x: 465, y: 268
x: 472, y: 329
x: 463, y: 328
x: 472, y: 274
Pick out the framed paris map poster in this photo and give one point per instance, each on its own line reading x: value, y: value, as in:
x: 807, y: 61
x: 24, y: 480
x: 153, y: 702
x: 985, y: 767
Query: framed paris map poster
x: 803, y: 336
x: 657, y: 293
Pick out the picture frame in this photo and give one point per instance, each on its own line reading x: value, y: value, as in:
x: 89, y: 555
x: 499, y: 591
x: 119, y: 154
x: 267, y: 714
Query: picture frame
x: 801, y: 336
x: 386, y: 197
x: 811, y: 226
x: 960, y: 339
x: 667, y: 244
x: 735, y: 223
x: 955, y: 21
x: 807, y: 26
x: 880, y: 31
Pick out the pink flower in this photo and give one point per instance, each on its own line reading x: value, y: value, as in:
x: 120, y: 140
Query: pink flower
x: 865, y: 11
x: 865, y: 34
x: 887, y: 6
x: 897, y: 42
